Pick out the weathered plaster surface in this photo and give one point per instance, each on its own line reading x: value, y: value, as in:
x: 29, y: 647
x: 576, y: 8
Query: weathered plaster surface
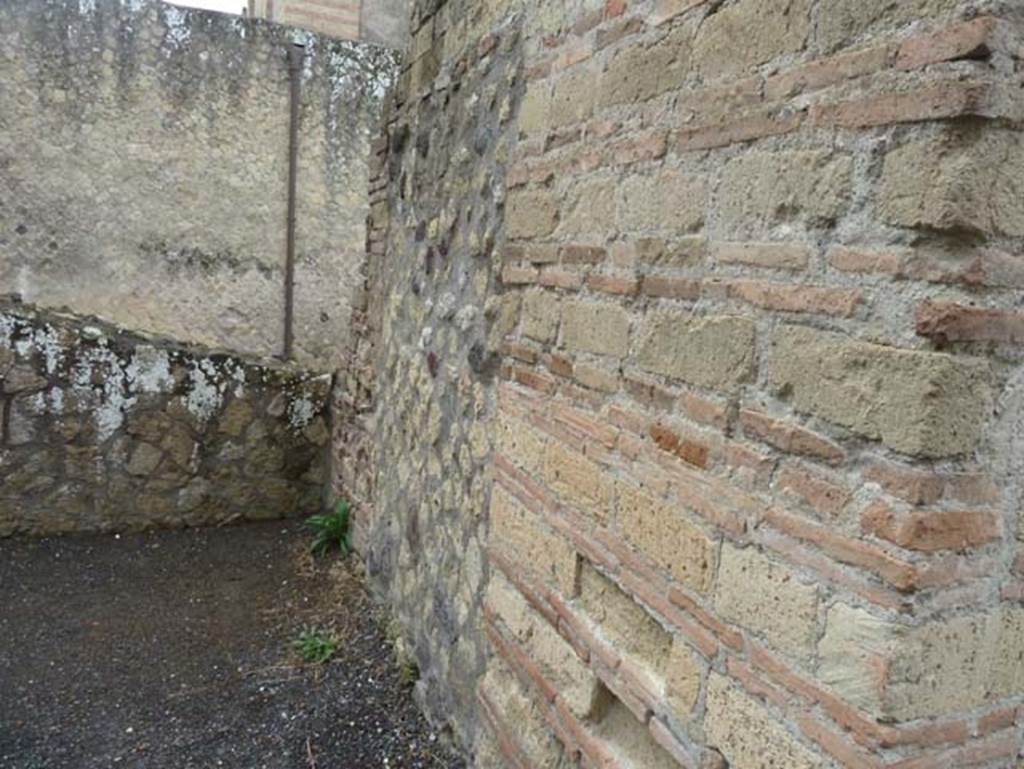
x: 143, y: 168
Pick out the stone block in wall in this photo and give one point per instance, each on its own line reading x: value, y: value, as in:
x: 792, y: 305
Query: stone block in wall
x: 767, y: 28
x: 572, y: 98
x: 898, y: 672
x: 683, y: 679
x: 715, y: 352
x: 962, y: 179
x: 541, y: 312
x: 590, y: 211
x: 520, y: 713
x: 747, y: 734
x: 520, y: 442
x: 847, y: 22
x: 661, y: 533
x: 924, y: 403
x: 535, y: 111
x: 595, y: 327
x: 760, y: 191
x: 523, y: 538
x: 669, y: 201
x: 531, y: 213
x: 637, y: 73
x: 624, y: 623
x: 764, y: 595
x: 580, y: 482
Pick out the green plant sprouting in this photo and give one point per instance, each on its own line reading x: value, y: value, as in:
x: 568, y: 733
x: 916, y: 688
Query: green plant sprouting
x: 334, y: 529
x: 316, y: 645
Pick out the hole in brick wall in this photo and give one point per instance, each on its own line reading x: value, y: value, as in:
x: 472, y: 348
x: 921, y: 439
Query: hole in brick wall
x: 629, y: 739
x: 624, y: 623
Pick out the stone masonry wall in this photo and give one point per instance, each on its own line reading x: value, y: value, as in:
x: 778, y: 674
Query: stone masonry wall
x: 104, y: 430
x: 143, y: 171
x: 747, y: 491
x: 414, y: 406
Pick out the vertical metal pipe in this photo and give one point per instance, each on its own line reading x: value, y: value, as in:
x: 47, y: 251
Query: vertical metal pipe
x: 295, y: 59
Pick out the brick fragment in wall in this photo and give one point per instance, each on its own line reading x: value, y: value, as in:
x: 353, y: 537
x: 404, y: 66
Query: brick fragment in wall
x: 898, y: 672
x: 952, y: 322
x: 748, y: 735
x: 715, y: 352
x: 760, y: 191
x: 962, y: 179
x: 920, y: 403
x: 687, y: 251
x: 764, y: 595
x: 930, y: 531
x: 663, y: 534
x: 768, y: 29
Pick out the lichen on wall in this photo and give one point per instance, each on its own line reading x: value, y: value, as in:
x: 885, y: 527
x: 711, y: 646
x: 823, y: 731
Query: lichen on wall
x: 105, y: 430
x: 143, y: 171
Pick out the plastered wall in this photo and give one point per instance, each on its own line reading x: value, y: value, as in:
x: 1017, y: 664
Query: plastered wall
x: 743, y: 489
x: 143, y: 171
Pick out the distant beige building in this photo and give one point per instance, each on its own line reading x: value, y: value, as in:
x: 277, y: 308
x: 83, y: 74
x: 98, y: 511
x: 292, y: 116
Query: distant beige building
x: 384, y: 22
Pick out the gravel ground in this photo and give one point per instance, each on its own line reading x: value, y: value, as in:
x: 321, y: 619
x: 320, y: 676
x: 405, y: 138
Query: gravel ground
x: 174, y: 650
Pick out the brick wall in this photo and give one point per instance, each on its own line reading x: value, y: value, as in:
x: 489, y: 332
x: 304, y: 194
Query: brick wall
x: 754, y: 496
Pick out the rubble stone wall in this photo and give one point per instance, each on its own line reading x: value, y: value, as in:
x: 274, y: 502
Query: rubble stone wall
x: 144, y: 169
x: 106, y: 430
x: 745, y: 488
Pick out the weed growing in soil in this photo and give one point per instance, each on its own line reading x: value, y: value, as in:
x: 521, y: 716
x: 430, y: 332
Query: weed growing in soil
x: 316, y: 645
x: 334, y: 529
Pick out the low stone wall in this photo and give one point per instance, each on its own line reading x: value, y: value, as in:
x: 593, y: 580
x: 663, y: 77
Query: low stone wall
x: 103, y: 430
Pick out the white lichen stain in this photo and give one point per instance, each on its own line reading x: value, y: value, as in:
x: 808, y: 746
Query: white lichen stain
x: 205, y: 396
x: 179, y: 31
x: 301, y: 411
x: 150, y: 371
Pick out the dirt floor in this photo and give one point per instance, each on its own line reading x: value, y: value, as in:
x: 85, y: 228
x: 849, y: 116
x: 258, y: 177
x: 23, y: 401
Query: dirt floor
x: 175, y: 650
